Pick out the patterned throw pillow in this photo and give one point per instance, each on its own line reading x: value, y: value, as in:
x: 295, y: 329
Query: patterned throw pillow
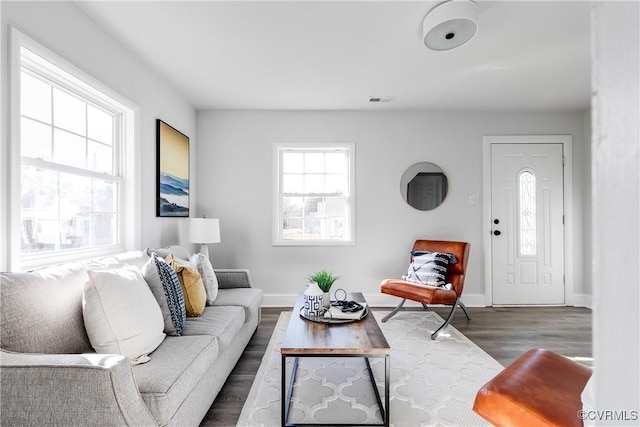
x: 165, y: 286
x: 429, y: 268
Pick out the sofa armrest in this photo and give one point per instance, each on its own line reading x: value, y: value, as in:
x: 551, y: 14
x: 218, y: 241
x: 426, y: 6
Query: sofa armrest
x: 229, y: 278
x: 70, y: 390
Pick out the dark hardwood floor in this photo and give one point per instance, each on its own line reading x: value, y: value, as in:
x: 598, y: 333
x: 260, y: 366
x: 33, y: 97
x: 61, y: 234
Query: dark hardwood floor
x: 504, y: 333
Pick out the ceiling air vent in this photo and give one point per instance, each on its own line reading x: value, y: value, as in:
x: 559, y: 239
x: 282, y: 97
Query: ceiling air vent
x: 381, y: 99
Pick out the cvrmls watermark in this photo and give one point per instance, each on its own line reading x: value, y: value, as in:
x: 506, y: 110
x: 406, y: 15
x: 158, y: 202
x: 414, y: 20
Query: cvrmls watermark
x: 608, y: 415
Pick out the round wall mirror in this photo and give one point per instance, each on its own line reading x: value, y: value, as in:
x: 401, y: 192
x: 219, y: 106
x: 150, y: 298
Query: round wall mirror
x: 424, y: 186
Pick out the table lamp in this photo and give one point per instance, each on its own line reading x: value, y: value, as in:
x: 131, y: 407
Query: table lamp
x: 204, y: 231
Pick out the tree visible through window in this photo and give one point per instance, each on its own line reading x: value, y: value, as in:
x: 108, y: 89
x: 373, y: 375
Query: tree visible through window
x: 315, y: 201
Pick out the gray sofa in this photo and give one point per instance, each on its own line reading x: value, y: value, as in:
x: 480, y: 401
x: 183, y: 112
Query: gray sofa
x: 50, y: 374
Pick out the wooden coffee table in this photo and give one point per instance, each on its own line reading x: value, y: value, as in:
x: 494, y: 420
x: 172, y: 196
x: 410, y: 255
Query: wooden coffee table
x: 305, y: 338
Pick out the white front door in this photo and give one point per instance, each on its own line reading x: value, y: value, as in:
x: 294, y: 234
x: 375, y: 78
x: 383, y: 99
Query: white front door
x: 527, y: 215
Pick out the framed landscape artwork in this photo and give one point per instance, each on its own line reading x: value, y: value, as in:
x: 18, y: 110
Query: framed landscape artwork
x: 172, y: 189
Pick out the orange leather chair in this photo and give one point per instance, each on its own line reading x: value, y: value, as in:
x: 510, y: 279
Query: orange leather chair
x: 433, y: 294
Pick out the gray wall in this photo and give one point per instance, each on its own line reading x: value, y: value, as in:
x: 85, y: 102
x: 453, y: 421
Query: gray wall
x: 235, y: 176
x: 68, y: 32
x: 232, y: 171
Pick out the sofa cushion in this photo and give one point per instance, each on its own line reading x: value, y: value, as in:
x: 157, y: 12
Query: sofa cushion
x: 41, y: 311
x: 248, y: 298
x: 176, y: 366
x: 120, y: 313
x: 176, y: 250
x: 165, y: 286
x: 136, y: 258
x: 209, y: 278
x: 195, y: 296
x: 223, y: 322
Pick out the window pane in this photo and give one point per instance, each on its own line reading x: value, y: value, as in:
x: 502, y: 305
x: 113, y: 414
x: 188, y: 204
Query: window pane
x: 35, y: 98
x: 336, y: 228
x: 527, y: 188
x: 39, y: 196
x: 314, y: 162
x: 35, y: 139
x: 69, y: 112
x: 292, y: 207
x: 104, y: 229
x: 292, y: 228
x: 292, y: 183
x: 313, y: 228
x: 314, y: 183
x: 336, y: 184
x: 104, y: 196
x: 100, y: 125
x: 100, y: 157
x: 75, y: 210
x: 335, y: 206
x: 69, y: 149
x: 311, y: 206
x: 336, y: 163
x: 292, y: 162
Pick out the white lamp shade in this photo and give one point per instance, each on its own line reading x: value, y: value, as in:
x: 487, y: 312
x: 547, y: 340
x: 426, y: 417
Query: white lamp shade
x: 450, y: 24
x: 204, y: 230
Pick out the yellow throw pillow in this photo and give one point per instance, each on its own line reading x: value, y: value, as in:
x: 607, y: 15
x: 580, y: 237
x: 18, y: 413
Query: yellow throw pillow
x: 195, y: 296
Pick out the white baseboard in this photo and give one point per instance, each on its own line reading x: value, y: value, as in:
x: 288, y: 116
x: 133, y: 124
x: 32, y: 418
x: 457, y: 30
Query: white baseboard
x: 374, y: 300
x: 583, y: 300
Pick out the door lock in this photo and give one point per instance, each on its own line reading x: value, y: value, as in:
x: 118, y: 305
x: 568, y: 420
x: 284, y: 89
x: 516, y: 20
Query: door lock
x: 497, y: 233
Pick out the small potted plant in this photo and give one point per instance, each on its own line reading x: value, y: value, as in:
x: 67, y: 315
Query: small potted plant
x: 324, y: 279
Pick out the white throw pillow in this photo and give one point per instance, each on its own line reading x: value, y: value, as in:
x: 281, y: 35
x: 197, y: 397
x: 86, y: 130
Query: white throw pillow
x: 121, y: 315
x: 209, y: 278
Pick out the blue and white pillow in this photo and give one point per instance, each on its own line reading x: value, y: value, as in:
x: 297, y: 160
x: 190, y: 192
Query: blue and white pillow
x: 430, y: 268
x: 165, y: 286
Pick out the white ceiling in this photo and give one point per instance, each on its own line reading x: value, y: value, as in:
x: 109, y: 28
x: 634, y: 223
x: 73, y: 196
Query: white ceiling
x: 527, y: 55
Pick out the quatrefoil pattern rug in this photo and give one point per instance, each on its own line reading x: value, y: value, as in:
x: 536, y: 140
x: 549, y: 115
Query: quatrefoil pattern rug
x: 433, y: 383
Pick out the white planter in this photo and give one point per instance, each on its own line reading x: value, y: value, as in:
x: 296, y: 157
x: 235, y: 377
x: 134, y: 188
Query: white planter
x: 313, y: 301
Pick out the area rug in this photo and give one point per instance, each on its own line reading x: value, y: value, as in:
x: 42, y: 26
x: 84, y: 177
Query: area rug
x: 433, y: 382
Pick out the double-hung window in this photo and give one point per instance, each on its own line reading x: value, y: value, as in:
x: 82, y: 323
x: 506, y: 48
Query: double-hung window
x: 314, y: 194
x: 72, y: 176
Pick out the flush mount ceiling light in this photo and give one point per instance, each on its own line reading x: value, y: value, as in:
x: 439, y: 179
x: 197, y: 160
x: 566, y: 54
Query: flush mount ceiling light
x: 450, y: 24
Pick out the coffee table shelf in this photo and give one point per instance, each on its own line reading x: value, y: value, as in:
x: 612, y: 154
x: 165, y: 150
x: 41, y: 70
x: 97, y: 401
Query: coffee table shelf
x: 363, y: 338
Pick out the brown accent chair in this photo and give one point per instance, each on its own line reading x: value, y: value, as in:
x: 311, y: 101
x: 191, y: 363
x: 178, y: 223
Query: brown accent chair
x: 433, y: 294
x: 540, y: 388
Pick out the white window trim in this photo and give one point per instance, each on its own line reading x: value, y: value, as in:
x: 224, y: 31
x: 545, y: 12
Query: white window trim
x: 130, y: 200
x: 351, y: 206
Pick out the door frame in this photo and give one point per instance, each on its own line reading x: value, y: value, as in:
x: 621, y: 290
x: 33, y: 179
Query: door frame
x: 567, y: 150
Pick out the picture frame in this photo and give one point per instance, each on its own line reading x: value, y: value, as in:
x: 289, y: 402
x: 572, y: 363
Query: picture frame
x: 172, y: 165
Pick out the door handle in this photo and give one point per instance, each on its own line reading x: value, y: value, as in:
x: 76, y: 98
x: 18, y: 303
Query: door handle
x: 497, y: 233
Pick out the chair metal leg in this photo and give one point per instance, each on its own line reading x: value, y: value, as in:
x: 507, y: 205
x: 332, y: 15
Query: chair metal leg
x: 446, y: 322
x: 425, y: 306
x: 395, y: 310
x: 464, y: 309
